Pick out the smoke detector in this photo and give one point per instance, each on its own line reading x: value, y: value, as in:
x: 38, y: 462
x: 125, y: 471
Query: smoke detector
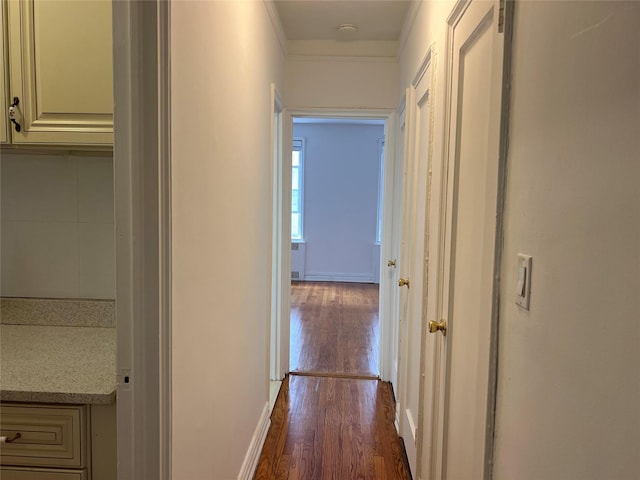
x: 347, y: 28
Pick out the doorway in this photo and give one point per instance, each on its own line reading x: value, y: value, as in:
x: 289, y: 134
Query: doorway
x: 337, y: 199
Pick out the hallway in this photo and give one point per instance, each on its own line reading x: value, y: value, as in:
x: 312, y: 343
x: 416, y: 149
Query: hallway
x: 195, y: 175
x: 333, y: 418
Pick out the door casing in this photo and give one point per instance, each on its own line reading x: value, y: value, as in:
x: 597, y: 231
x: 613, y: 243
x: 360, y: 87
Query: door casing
x: 386, y: 324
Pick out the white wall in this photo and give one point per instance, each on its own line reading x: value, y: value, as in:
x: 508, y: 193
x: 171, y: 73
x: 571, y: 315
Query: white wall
x: 569, y: 382
x: 341, y: 173
x: 57, y: 226
x: 224, y: 57
x: 338, y: 83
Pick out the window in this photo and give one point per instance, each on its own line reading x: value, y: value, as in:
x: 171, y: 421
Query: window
x: 380, y: 191
x: 297, y: 161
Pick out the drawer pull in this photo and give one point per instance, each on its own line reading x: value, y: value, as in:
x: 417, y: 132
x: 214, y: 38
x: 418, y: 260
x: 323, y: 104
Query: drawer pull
x: 10, y: 439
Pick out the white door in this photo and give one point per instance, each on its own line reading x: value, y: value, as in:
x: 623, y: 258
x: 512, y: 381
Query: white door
x: 475, y: 51
x: 414, y: 261
x: 407, y: 424
x: 389, y: 299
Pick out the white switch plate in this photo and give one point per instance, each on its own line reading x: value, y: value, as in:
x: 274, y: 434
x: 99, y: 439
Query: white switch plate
x: 523, y: 282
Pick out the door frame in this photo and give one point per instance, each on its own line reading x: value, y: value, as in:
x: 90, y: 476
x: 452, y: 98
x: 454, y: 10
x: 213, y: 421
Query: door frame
x: 385, y: 361
x: 142, y: 179
x: 279, y: 330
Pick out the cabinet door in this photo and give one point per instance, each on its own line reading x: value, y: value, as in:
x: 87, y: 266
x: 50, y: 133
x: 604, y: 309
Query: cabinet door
x: 51, y: 436
x: 4, y: 113
x: 60, y: 57
x: 11, y: 473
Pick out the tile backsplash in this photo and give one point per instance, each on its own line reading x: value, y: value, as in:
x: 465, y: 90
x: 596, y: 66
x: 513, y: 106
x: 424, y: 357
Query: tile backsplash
x: 57, y: 226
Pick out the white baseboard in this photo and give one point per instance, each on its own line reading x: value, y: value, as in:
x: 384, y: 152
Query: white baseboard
x: 397, y: 420
x: 255, y: 448
x: 412, y: 424
x: 339, y: 277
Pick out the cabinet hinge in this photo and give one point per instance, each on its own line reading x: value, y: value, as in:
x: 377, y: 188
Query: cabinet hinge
x: 501, y: 16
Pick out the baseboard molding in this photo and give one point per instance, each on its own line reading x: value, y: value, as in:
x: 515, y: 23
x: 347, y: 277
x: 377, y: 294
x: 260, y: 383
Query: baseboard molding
x: 339, y: 277
x: 255, y: 448
x: 412, y: 424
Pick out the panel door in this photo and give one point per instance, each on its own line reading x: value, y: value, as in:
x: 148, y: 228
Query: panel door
x: 393, y: 225
x: 475, y: 56
x: 407, y: 426
x: 60, y: 54
x: 413, y: 408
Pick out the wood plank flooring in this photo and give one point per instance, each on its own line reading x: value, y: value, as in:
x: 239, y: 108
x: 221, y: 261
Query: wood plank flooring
x: 334, y: 328
x: 333, y: 419
x: 332, y: 428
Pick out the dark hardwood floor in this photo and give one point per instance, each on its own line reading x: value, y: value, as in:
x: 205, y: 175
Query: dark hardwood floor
x: 334, y: 328
x: 333, y: 418
x: 332, y: 428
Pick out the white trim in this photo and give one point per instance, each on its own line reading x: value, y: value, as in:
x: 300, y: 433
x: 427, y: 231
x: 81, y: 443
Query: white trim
x: 279, y: 337
x: 339, y: 277
x: 456, y: 13
x: 339, y: 58
x: 277, y: 25
x: 250, y: 462
x: 126, y: 309
x: 337, y: 121
x: 355, y: 113
x: 412, y: 425
x: 409, y: 20
x: 143, y: 233
x: 165, y: 236
x: 423, y: 68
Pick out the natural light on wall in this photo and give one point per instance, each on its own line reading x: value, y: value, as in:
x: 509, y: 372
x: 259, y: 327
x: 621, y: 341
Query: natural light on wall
x: 297, y: 159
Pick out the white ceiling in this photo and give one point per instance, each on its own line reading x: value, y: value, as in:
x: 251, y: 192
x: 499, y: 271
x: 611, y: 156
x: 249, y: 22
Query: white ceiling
x: 318, y: 19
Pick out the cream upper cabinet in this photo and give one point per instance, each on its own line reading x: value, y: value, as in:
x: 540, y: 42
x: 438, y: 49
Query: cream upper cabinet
x: 4, y: 137
x: 60, y: 69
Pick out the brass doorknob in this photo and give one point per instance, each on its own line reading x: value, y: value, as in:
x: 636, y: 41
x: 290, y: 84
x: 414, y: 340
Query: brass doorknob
x: 391, y: 263
x: 438, y: 326
x: 402, y: 282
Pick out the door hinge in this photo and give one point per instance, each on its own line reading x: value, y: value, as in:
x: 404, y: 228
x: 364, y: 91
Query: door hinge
x: 501, y: 16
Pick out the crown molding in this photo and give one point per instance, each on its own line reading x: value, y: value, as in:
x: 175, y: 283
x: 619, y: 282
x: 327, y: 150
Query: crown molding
x: 412, y: 14
x: 277, y: 25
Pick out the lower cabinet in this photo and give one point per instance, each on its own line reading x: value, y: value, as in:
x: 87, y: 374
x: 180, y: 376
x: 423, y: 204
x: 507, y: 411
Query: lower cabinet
x: 14, y: 473
x: 58, y: 442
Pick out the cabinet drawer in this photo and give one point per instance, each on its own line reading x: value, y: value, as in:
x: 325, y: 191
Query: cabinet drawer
x: 52, y: 436
x: 12, y: 473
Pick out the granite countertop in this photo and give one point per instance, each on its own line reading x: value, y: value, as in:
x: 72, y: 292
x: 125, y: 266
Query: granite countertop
x: 57, y: 364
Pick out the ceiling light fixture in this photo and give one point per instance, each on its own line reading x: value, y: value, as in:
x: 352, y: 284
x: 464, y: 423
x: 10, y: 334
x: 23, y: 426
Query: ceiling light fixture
x: 347, y: 28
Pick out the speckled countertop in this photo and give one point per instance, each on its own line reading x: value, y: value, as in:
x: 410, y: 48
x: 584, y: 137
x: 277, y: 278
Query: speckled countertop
x: 57, y: 364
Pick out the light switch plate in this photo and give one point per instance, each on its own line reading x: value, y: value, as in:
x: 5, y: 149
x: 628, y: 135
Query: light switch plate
x: 523, y: 281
